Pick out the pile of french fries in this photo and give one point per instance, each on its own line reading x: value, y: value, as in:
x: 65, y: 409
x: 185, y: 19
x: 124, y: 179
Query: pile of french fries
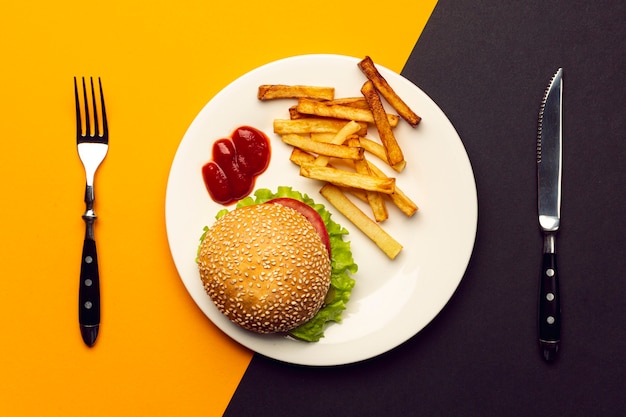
x: 330, y: 144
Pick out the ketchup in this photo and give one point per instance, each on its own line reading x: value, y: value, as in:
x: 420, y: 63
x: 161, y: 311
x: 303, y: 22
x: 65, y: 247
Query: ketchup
x: 236, y: 163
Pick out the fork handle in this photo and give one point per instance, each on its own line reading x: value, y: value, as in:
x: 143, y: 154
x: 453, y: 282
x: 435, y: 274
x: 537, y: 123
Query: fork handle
x: 89, y: 293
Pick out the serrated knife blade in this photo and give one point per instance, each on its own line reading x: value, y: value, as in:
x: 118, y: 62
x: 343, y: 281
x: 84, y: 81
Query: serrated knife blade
x: 549, y: 172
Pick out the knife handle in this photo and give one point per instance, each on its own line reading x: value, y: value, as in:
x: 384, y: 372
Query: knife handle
x: 89, y: 293
x: 549, y: 308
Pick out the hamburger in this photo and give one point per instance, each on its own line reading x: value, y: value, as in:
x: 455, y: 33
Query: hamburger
x: 277, y: 263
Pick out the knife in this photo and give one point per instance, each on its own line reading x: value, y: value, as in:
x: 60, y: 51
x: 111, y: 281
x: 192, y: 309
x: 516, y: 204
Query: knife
x: 549, y: 169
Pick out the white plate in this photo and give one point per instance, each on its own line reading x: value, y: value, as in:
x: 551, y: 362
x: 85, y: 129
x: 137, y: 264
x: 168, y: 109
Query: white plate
x: 392, y: 300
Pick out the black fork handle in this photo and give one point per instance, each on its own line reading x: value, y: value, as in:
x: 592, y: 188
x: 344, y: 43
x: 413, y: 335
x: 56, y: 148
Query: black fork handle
x: 89, y: 293
x: 89, y: 289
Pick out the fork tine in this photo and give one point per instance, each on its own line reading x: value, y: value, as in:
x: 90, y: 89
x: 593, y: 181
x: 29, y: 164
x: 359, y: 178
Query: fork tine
x: 105, y: 125
x: 96, y: 125
x: 79, y: 126
x: 86, y: 106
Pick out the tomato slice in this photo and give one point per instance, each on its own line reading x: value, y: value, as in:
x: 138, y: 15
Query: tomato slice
x: 311, y: 215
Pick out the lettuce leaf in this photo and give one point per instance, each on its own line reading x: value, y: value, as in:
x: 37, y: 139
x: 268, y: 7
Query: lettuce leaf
x: 342, y: 263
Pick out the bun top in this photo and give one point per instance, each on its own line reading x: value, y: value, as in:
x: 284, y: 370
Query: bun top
x: 265, y: 267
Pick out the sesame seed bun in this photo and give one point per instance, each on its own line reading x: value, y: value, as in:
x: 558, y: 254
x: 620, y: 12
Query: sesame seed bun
x: 265, y: 267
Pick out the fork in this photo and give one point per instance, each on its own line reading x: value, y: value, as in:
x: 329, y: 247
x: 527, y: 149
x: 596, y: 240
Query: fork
x: 92, y: 143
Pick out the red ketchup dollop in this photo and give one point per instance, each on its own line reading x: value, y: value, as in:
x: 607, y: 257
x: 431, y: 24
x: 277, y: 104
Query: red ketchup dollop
x: 236, y: 163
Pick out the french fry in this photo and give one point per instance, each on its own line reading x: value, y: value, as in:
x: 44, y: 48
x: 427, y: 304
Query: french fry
x: 349, y: 101
x: 398, y: 197
x: 323, y: 137
x: 379, y: 151
x: 348, y: 179
x: 294, y: 114
x: 275, y: 91
x: 374, y: 148
x: 370, y: 228
x: 369, y: 69
x: 326, y: 150
x: 374, y: 199
x: 300, y: 157
x: 350, y: 128
x: 310, y: 125
x: 338, y: 111
x: 394, y: 152
x: 360, y: 194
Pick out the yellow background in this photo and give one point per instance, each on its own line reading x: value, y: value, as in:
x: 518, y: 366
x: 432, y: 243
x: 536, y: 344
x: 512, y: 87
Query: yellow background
x: 160, y: 62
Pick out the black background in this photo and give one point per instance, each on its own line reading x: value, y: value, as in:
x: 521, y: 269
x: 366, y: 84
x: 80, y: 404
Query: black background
x: 486, y: 64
